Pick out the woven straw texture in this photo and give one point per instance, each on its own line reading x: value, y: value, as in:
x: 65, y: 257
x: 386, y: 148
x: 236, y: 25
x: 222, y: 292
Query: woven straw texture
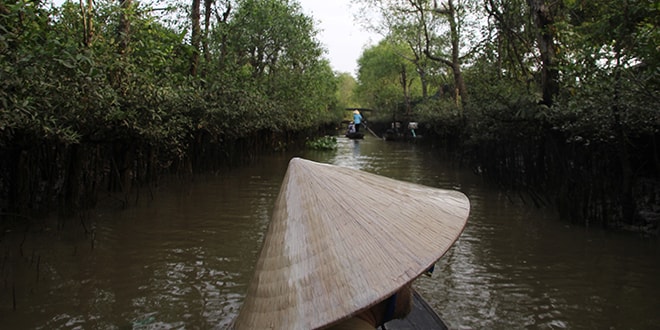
x: 332, y: 251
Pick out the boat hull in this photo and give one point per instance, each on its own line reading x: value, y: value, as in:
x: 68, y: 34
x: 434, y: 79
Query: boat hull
x: 422, y: 316
x: 355, y: 136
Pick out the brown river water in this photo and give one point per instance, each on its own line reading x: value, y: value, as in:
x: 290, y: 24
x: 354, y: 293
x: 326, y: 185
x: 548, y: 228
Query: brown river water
x: 182, y: 257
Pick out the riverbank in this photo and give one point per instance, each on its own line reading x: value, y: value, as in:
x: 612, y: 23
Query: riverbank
x: 590, y: 183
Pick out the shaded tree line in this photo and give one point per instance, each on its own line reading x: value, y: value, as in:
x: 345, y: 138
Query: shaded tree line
x: 556, y: 99
x: 100, y: 97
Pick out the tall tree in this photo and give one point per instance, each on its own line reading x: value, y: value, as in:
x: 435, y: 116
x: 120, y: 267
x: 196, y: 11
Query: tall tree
x: 451, y: 13
x: 196, y: 36
x: 86, y: 11
x: 346, y: 84
x: 544, y: 14
x: 208, y: 7
x: 383, y: 78
x: 124, y: 28
x: 511, y: 37
x: 409, y: 30
x: 429, y: 16
x: 274, y: 50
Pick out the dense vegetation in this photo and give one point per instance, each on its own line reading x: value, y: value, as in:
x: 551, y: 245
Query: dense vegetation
x: 105, y: 96
x: 555, y: 99
x: 558, y: 99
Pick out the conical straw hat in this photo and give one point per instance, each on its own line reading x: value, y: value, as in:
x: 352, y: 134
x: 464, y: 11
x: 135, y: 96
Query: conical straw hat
x: 341, y: 240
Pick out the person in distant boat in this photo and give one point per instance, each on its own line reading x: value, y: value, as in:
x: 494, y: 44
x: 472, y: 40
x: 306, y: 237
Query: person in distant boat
x: 324, y: 266
x: 357, y: 119
x: 351, y: 128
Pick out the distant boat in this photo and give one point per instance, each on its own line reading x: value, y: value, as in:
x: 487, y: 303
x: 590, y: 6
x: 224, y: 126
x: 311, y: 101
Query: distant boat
x: 396, y: 133
x: 355, y: 135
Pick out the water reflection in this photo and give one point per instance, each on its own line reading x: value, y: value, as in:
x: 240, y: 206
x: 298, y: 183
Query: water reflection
x: 349, y: 154
x: 516, y: 266
x: 183, y: 259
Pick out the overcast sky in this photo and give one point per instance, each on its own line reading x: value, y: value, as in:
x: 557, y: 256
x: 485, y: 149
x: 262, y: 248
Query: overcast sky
x: 341, y: 36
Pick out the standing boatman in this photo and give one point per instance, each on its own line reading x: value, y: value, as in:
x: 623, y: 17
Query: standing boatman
x: 357, y: 120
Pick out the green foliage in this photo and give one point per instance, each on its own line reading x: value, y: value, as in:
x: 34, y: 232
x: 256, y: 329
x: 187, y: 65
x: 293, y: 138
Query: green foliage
x: 610, y: 69
x: 563, y: 94
x: 346, y: 93
x: 380, y: 78
x: 77, y: 80
x: 271, y: 53
x: 603, y: 106
x: 322, y: 143
x: 271, y: 77
x: 64, y: 83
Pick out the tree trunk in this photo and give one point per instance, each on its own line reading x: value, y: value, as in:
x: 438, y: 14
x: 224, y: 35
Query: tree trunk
x: 628, y: 207
x: 425, y: 84
x: 455, y: 63
x: 543, y: 16
x: 73, y: 171
x: 88, y: 26
x: 455, y: 54
x: 207, y: 27
x: 404, y: 86
x: 195, y: 37
x: 124, y: 28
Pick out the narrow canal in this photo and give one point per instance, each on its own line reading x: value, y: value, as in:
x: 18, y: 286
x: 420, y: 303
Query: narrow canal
x: 183, y: 258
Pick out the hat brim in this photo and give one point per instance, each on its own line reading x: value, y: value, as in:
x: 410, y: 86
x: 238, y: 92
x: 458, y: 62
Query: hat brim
x: 328, y: 254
